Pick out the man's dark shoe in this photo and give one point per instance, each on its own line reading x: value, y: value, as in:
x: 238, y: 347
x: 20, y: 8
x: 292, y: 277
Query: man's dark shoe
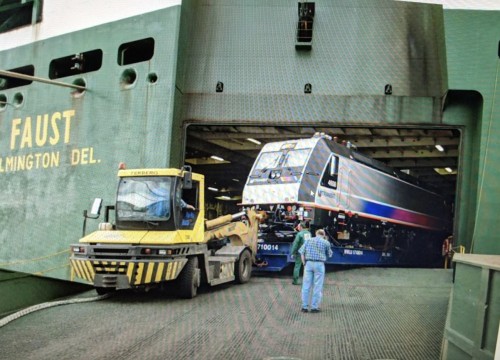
x: 296, y: 283
x: 304, y: 310
x: 315, y: 310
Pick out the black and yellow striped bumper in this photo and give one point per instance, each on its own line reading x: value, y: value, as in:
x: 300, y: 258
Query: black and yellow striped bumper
x: 136, y: 272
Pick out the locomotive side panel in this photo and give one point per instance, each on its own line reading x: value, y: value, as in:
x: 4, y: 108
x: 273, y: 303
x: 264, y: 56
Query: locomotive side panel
x: 372, y: 193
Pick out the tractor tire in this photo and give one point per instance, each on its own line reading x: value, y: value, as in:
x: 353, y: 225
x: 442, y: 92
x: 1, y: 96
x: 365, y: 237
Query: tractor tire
x: 189, y: 279
x: 243, y: 268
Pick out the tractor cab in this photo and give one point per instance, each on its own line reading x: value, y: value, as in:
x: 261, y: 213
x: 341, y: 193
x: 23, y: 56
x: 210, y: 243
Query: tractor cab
x: 157, y: 199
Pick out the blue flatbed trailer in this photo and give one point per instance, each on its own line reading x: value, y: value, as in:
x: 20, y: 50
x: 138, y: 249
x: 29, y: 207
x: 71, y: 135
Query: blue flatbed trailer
x: 275, y: 256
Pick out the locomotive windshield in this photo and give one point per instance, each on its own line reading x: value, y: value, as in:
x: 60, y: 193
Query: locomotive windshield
x: 144, y: 199
x: 284, y: 158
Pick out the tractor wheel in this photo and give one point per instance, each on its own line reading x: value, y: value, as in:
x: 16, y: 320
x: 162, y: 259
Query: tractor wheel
x: 189, y: 279
x: 243, y: 267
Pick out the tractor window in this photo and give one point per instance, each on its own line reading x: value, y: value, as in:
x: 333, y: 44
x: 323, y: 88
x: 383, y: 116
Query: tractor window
x: 184, y: 198
x: 144, y: 199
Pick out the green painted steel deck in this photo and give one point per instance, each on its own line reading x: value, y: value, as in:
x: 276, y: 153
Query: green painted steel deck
x: 366, y: 314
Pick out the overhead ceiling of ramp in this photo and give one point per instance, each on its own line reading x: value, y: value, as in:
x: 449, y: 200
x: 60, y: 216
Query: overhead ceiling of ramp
x: 410, y: 149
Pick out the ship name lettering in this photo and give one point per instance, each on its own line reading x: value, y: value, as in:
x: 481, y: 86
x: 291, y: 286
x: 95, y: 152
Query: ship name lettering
x: 48, y: 129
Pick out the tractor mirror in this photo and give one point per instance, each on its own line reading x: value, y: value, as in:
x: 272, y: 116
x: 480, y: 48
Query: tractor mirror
x: 187, y: 180
x: 96, y: 207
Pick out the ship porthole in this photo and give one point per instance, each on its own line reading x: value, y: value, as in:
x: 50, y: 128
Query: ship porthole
x: 79, y: 92
x: 3, y: 102
x: 152, y: 78
x: 128, y: 78
x: 18, y: 100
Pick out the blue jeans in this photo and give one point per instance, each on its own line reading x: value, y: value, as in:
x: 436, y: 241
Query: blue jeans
x: 314, y: 276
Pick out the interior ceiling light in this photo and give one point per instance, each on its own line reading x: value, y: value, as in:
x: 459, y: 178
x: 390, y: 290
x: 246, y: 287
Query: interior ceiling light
x: 439, y: 147
x: 227, y: 198
x: 254, y: 141
x: 236, y: 180
x: 216, y: 158
x: 212, y: 188
x: 445, y: 171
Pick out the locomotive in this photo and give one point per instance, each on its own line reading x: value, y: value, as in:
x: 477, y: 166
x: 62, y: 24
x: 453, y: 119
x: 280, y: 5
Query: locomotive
x: 372, y: 213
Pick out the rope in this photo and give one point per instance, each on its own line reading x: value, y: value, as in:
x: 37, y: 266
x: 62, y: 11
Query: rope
x: 41, y: 272
x: 34, y: 259
x: 4, y: 321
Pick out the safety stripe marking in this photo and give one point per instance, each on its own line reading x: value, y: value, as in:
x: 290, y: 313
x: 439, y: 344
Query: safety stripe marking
x: 164, y: 275
x: 169, y: 271
x: 80, y: 270
x: 159, y: 272
x: 130, y: 272
x: 74, y: 265
x: 175, y: 265
x: 138, y: 273
x: 144, y: 273
x: 149, y: 273
x: 89, y: 270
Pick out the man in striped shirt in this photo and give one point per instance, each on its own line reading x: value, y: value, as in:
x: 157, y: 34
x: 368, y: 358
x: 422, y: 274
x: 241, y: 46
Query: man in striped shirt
x: 314, y: 254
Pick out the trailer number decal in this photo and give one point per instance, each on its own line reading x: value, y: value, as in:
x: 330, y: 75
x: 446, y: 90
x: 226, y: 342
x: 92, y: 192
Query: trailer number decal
x: 353, y: 252
x: 267, y: 247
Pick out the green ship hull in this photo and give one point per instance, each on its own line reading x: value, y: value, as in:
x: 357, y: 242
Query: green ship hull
x: 148, y: 77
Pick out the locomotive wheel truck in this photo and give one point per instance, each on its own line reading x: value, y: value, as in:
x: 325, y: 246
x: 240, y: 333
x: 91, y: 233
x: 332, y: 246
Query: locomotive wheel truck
x: 157, y: 237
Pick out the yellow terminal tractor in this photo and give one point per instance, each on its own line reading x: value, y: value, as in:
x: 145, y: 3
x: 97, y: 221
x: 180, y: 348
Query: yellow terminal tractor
x: 160, y: 234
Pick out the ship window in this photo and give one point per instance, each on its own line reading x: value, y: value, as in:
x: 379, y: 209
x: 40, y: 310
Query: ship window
x: 17, y: 13
x: 3, y: 101
x: 331, y: 174
x: 136, y: 51
x: 75, y: 64
x: 7, y: 82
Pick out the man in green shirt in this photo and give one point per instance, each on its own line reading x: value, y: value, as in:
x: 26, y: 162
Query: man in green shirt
x: 303, y: 234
